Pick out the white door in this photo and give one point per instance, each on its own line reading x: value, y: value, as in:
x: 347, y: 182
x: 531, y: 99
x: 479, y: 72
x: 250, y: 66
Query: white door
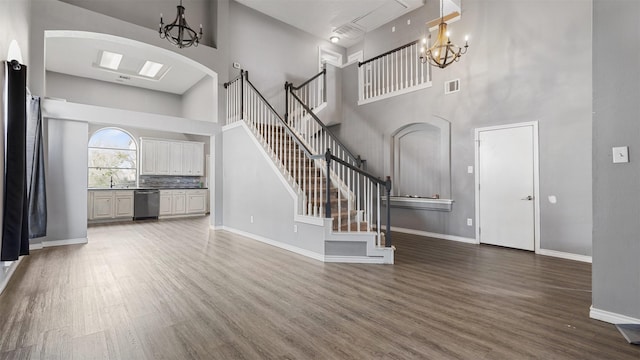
x: 506, y: 186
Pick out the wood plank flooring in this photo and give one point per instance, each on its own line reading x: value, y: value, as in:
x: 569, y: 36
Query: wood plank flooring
x: 174, y: 290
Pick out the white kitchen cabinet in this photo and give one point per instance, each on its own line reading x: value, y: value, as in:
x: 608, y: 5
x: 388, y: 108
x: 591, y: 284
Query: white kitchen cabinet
x: 175, y: 158
x: 123, y: 204
x: 169, y: 157
x: 198, y: 159
x: 187, y: 158
x: 110, y: 204
x: 165, y: 202
x: 102, y: 205
x: 183, y: 202
x: 162, y: 158
x: 178, y: 202
x: 196, y: 201
x: 147, y: 157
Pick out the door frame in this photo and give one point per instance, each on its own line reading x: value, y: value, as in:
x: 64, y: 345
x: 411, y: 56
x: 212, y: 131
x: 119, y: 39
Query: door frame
x: 536, y: 177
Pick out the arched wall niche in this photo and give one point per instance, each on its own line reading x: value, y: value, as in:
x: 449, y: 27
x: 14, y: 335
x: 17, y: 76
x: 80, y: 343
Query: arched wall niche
x: 421, y: 159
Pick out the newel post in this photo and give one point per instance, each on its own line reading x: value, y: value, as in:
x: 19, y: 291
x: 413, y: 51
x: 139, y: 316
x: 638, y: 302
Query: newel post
x: 387, y: 187
x: 327, y: 157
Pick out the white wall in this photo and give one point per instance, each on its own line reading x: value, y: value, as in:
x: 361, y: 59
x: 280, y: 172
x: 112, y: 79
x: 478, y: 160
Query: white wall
x: 102, y: 93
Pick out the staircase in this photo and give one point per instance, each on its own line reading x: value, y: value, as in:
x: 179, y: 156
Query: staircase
x: 325, y: 176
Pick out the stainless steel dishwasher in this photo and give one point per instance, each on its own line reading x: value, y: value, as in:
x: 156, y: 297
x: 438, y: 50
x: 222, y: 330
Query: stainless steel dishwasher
x: 146, y: 204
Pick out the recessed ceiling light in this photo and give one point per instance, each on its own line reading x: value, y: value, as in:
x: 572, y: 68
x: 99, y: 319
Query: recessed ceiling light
x: 334, y: 39
x: 110, y: 60
x: 150, y: 69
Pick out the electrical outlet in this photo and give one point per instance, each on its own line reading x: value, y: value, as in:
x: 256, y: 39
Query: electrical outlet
x: 470, y: 169
x: 251, y: 219
x: 295, y: 228
x: 393, y: 29
x: 469, y: 222
x: 409, y: 22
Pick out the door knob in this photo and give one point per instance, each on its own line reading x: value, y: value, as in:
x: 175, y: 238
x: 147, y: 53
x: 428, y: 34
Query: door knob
x: 529, y: 198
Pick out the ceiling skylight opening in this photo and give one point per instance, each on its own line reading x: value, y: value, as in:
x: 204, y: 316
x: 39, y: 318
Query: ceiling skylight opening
x: 150, y: 69
x: 110, y: 60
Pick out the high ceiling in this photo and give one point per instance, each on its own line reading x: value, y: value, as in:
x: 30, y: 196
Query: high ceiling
x: 348, y: 19
x: 80, y: 57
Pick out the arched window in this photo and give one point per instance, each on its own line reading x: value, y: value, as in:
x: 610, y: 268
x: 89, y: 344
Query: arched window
x: 112, y: 159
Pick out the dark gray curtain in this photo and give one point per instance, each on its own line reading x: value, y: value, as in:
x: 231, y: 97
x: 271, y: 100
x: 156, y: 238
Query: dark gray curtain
x: 15, y: 227
x: 37, y: 193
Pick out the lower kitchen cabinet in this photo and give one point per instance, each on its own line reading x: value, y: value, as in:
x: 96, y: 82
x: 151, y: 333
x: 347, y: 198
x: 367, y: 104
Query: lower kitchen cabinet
x: 110, y: 205
x: 178, y: 202
x: 183, y: 202
x: 165, y: 202
x: 197, y: 202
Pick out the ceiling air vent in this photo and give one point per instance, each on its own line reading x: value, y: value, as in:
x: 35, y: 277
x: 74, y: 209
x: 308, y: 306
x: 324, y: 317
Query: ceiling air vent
x: 451, y: 86
x: 122, y: 77
x: 349, y: 31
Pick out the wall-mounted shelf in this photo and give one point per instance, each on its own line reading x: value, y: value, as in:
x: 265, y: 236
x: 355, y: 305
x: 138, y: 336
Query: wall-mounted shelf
x: 420, y: 203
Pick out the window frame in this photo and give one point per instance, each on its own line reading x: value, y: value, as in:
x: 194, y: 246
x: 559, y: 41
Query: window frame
x: 135, y: 150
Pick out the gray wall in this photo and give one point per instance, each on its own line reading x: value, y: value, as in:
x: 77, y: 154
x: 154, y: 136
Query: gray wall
x: 147, y: 13
x: 197, y: 102
x: 102, y: 93
x: 252, y: 188
x: 272, y: 51
x: 67, y: 149
x: 616, y: 187
x: 511, y: 74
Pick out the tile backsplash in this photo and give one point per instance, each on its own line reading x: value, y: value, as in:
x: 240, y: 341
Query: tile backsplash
x: 159, y: 181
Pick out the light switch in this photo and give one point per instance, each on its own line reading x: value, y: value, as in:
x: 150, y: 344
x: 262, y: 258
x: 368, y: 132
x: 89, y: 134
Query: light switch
x: 621, y: 154
x: 469, y: 169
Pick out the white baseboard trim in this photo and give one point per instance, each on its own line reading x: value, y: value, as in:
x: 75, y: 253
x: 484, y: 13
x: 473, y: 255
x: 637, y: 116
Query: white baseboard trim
x: 435, y: 235
x: 216, y: 227
x: 52, y: 243
x: 354, y: 259
x: 9, y: 274
x: 610, y: 317
x: 564, y: 255
x: 275, y: 243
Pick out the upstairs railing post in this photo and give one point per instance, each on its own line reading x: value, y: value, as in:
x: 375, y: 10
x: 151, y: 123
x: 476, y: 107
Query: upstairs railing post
x: 324, y: 83
x: 286, y: 101
x: 242, y: 75
x: 327, y: 157
x: 387, y: 187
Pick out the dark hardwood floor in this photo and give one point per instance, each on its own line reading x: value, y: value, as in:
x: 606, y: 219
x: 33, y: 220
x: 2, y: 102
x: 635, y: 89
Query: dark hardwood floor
x: 173, y: 290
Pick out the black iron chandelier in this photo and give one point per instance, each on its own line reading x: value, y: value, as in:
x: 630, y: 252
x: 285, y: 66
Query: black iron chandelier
x: 178, y: 32
x: 442, y: 53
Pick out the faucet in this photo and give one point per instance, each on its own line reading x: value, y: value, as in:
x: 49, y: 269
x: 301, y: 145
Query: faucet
x: 111, y: 183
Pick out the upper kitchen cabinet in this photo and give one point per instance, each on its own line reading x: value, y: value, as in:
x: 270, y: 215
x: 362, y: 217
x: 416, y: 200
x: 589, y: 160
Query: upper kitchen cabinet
x: 154, y: 156
x: 170, y: 157
x: 193, y: 159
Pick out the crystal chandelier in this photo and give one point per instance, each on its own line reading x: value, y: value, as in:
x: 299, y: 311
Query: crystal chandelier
x: 442, y: 53
x: 178, y: 32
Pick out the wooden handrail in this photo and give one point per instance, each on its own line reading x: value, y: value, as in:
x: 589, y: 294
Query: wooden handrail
x: 389, y: 52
